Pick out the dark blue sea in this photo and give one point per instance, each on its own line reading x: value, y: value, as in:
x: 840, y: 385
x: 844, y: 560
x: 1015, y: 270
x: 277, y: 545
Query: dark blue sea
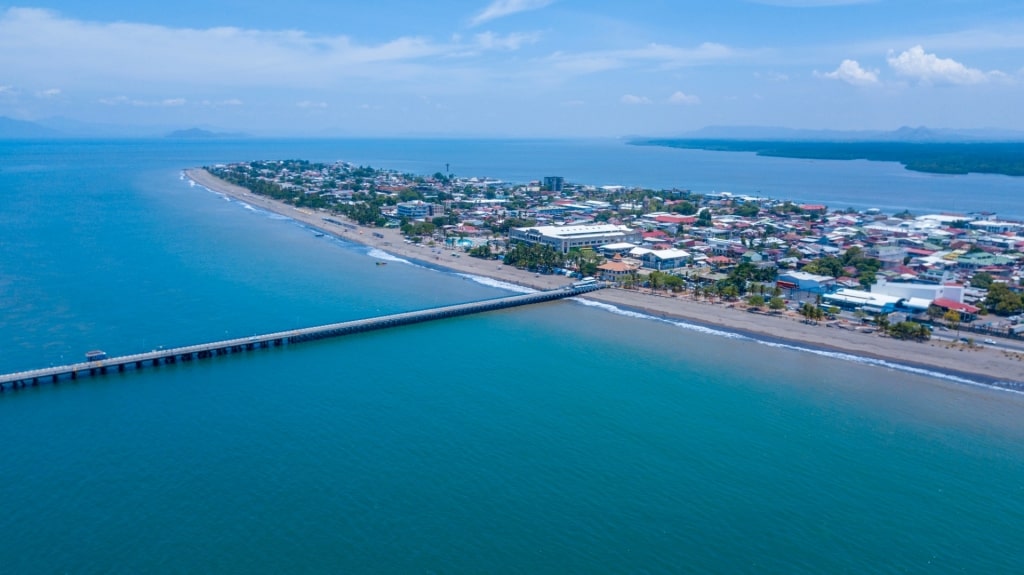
x: 558, y: 438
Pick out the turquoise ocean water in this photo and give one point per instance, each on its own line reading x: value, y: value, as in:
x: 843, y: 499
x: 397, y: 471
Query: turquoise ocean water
x: 560, y: 438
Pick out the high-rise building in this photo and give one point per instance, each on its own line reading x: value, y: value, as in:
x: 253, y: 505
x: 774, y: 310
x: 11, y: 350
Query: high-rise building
x: 554, y: 183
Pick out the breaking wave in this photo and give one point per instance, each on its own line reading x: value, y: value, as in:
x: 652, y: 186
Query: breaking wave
x: 497, y: 283
x: 382, y: 255
x: 842, y: 356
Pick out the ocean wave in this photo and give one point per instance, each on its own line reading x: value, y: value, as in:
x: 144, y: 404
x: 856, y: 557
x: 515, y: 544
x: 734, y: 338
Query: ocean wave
x: 838, y: 355
x: 379, y: 254
x: 678, y: 323
x: 490, y: 282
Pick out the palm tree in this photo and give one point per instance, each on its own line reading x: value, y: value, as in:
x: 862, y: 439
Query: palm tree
x: 883, y: 322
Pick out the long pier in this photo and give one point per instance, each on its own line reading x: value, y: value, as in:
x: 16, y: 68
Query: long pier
x: 189, y: 353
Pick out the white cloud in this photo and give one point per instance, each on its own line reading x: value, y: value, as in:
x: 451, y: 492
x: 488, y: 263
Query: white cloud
x: 49, y: 93
x: 98, y: 55
x: 662, y: 55
x: 126, y: 101
x: 851, y: 72
x: 223, y: 103
x: 6, y: 89
x: 915, y: 63
x: 574, y: 103
x: 309, y: 104
x: 492, y: 41
x: 634, y: 100
x: 680, y: 98
x: 502, y: 8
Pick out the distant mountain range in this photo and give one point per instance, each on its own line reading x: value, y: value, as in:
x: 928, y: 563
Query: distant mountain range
x: 904, y: 134
x: 10, y: 128
x: 60, y: 127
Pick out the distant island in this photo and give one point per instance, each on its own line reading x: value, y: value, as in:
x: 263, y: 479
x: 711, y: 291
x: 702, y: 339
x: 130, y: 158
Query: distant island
x: 1006, y: 158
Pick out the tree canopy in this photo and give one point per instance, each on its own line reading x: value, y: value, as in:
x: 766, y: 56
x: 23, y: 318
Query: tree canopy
x: 1002, y: 301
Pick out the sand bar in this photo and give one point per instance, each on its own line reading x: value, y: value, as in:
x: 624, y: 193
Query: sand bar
x: 980, y: 363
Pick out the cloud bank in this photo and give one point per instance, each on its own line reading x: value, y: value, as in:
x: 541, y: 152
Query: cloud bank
x: 917, y: 64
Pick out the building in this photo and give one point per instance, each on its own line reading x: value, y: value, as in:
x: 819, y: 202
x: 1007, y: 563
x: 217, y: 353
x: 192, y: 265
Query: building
x: 615, y: 270
x: 610, y: 250
x: 920, y: 291
x: 565, y: 238
x: 857, y: 300
x: 804, y: 281
x: 554, y: 183
x: 662, y: 259
x: 417, y: 210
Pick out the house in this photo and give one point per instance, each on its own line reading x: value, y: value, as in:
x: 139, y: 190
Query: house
x: 615, y: 270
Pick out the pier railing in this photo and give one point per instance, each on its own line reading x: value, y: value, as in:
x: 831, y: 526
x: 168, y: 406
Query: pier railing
x: 229, y: 346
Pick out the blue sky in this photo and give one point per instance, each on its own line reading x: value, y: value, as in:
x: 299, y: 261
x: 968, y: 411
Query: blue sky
x: 522, y: 68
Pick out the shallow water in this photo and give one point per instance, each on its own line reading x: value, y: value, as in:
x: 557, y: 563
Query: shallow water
x: 552, y: 438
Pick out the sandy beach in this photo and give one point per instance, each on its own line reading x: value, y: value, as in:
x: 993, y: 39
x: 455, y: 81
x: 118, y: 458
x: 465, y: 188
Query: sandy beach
x: 979, y: 363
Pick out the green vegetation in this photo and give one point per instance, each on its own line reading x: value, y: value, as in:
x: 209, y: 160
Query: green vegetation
x: 481, y: 251
x: 585, y: 261
x: 854, y: 257
x: 667, y: 281
x: 982, y: 280
x: 909, y: 330
x: 1005, y: 158
x: 534, y: 257
x: 1002, y: 301
x: 811, y: 312
x: 417, y: 229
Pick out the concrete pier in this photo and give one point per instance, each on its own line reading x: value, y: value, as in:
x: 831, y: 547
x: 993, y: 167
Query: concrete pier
x: 190, y: 353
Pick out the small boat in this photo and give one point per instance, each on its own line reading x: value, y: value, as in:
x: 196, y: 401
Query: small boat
x: 319, y: 234
x: 382, y: 263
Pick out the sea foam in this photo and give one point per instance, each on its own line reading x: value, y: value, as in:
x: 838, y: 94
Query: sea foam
x: 842, y: 356
x: 497, y: 283
x: 380, y: 254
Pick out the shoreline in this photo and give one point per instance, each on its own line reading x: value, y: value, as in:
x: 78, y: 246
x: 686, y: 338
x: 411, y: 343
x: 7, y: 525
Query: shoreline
x: 983, y: 365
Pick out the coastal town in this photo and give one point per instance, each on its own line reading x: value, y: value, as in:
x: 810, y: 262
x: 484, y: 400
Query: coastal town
x: 903, y: 274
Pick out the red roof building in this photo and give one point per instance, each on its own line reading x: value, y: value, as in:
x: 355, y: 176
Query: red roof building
x: 683, y: 220
x: 949, y: 304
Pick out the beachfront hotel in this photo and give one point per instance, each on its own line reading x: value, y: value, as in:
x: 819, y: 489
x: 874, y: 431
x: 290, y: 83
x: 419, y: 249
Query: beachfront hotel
x: 565, y: 238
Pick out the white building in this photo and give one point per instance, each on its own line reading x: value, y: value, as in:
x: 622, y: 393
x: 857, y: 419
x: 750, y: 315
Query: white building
x: 804, y: 281
x: 665, y: 259
x: 565, y: 238
x: 929, y: 292
x: 417, y: 209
